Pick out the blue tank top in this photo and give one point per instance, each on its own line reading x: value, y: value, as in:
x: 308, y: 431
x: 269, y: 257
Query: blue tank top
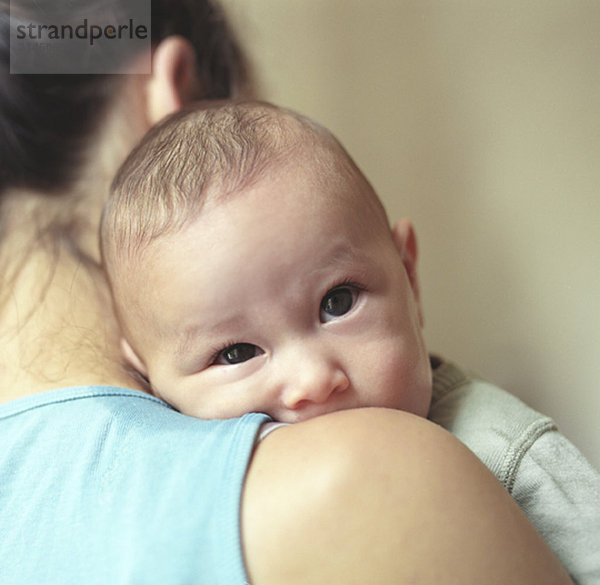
x: 104, y: 485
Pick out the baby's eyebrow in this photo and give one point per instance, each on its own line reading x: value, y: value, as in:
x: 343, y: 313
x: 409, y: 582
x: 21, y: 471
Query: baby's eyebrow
x: 343, y: 254
x: 197, y: 336
x: 184, y: 344
x: 350, y: 258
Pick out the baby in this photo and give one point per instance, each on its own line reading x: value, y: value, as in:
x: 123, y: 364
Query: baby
x: 253, y: 269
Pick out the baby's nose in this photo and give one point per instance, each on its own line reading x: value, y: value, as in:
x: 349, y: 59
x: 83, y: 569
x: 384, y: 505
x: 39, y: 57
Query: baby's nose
x: 313, y: 381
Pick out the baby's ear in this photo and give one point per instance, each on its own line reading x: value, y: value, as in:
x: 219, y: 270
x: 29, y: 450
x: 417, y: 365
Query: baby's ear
x: 132, y: 358
x: 405, y: 240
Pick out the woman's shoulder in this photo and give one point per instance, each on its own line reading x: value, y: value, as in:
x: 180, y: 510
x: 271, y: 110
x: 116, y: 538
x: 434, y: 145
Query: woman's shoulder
x: 381, y: 496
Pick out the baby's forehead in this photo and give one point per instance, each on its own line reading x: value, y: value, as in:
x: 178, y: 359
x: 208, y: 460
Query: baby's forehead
x: 330, y: 179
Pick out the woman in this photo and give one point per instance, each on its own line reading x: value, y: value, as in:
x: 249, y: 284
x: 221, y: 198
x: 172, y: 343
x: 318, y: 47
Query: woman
x: 102, y: 483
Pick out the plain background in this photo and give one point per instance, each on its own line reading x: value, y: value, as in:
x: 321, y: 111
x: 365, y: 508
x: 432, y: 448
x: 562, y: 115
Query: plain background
x: 480, y: 121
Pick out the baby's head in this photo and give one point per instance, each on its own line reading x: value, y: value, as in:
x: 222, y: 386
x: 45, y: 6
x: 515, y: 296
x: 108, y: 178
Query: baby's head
x: 254, y: 270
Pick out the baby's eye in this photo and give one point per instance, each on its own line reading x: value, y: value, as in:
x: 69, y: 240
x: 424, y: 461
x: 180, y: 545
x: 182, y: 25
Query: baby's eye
x: 337, y: 302
x: 237, y: 353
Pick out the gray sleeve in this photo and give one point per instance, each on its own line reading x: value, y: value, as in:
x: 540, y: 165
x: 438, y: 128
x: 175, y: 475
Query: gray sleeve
x: 559, y: 491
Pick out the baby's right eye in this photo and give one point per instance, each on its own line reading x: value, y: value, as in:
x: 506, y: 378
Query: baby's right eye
x: 237, y: 353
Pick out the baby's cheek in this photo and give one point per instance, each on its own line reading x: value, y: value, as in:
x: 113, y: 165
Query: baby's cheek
x: 401, y: 380
x: 383, y: 374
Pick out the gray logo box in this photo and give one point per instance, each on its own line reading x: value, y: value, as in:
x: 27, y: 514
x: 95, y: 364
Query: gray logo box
x: 80, y: 36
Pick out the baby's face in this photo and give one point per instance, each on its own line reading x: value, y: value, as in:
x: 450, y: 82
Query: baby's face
x: 290, y: 298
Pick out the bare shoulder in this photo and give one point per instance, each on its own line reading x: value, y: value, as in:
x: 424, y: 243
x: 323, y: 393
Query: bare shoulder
x: 381, y: 496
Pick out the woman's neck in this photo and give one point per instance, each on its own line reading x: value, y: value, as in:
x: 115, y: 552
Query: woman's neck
x: 56, y: 323
x: 57, y: 327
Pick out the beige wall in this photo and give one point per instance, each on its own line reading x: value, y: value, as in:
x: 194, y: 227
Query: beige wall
x: 481, y: 122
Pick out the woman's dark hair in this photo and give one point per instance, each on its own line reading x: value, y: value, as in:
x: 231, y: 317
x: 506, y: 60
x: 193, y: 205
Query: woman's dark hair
x: 46, y: 121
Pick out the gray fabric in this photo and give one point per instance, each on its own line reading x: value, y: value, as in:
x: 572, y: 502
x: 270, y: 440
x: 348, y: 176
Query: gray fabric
x: 548, y: 477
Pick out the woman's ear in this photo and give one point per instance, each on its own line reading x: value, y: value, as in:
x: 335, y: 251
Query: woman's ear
x: 405, y: 240
x: 132, y: 358
x: 173, y: 81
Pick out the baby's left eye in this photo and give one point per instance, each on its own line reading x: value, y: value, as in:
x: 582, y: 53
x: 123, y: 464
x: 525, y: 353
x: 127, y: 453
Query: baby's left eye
x: 337, y: 302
